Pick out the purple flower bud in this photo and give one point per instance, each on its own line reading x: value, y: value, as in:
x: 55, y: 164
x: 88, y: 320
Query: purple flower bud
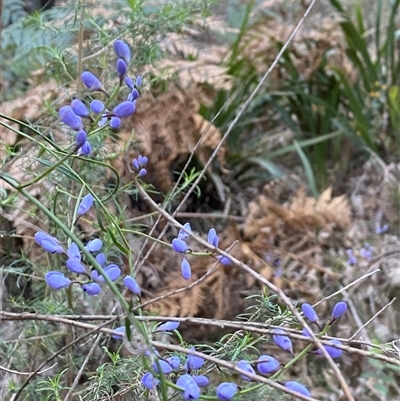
x: 339, y: 310
x: 75, y: 266
x: 80, y: 138
x: 168, y: 326
x: 139, y: 81
x: 97, y: 107
x: 48, y: 243
x: 190, y: 387
x: 306, y: 333
x: 91, y: 288
x: 142, y: 172
x: 298, y: 388
x: 309, y: 312
x: 131, y: 284
x: 142, y: 160
x: 85, y: 149
x: 201, y: 381
x: 185, y: 269
x: 149, y: 381
x: 352, y: 259
x: 164, y: 366
x: 193, y: 361
x: 212, y: 237
x: 174, y: 362
x: 121, y: 330
x: 112, y: 271
x: 94, y: 245
x: 184, y: 231
x: 68, y: 116
x: 124, y: 109
x: 101, y: 259
x: 91, y: 81
x: 135, y: 164
x: 133, y: 95
x: 122, y: 50
x: 57, y: 280
x: 367, y: 251
x: 244, y: 365
x: 267, y: 364
x: 282, y: 341
x: 129, y: 83
x: 381, y: 230
x: 121, y: 67
x: 179, y: 246
x: 80, y: 108
x: 86, y: 204
x: 73, y: 252
x: 332, y: 351
x: 115, y: 122
x: 226, y: 390
x: 224, y: 260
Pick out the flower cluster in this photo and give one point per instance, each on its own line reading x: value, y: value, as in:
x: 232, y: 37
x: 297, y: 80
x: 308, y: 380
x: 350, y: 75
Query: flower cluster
x: 74, y: 114
x: 58, y: 280
x: 179, y: 245
x: 139, y: 165
x: 365, y: 252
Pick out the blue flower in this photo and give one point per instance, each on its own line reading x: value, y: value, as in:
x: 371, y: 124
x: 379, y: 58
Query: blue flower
x: 190, y: 387
x: 91, y: 288
x: 174, y: 362
x: 121, y: 330
x: 97, y: 106
x: 121, y: 67
x: 113, y: 271
x: 124, y: 109
x: 267, y: 364
x: 184, y: 231
x: 91, y: 81
x: 201, y: 381
x: 339, y: 310
x: 194, y: 362
x: 139, y: 80
x: 185, y: 269
x: 101, y: 259
x: 168, y: 326
x: 69, y: 117
x: 129, y: 83
x: 75, y: 266
x: 94, y: 245
x: 149, y: 381
x: 381, y: 230
x: 133, y: 95
x: 85, y: 205
x: 140, y: 162
x: 212, y: 237
x: 224, y: 260
x: 298, y: 388
x: 122, y: 50
x: 352, y: 260
x: 164, y: 366
x: 115, y: 122
x: 142, y: 172
x: 179, y: 245
x: 309, y: 312
x: 367, y: 251
x: 80, y: 108
x: 131, y: 284
x: 226, y: 390
x: 57, y: 280
x: 80, y: 138
x: 282, y: 341
x: 73, y: 251
x: 332, y: 351
x: 306, y: 333
x: 48, y: 243
x: 244, y: 365
x: 85, y: 149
